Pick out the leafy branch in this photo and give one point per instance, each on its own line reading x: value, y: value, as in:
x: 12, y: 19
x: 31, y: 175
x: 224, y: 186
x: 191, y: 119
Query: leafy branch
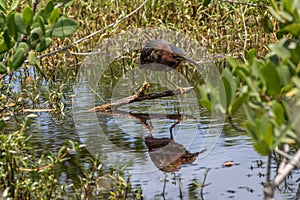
x: 24, y: 31
x: 267, y: 89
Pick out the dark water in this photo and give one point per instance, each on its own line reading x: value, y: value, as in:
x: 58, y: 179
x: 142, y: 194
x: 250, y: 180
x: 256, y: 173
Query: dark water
x: 164, y: 167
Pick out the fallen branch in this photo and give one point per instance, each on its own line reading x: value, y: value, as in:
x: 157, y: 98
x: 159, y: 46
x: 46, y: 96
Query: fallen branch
x: 139, y: 96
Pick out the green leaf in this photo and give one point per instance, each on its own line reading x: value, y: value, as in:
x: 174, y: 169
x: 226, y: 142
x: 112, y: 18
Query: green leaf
x: 278, y: 112
x: 18, y: 58
x: 230, y: 88
x: 36, y: 34
x: 3, y: 5
x: 284, y: 74
x: 2, y: 124
x: 287, y: 5
x: 24, y: 45
x: 293, y: 28
x: 295, y: 5
x: 268, y: 135
x: 205, y: 97
x: 20, y: 23
x: 267, y: 24
x: 28, y: 15
x: 296, y: 81
x: 276, y: 14
x: 5, y: 42
x: 70, y: 3
x: 38, y: 66
x: 251, y: 55
x: 232, y: 62
x: 271, y: 79
x: 63, y: 28
x: 250, y: 114
x: 286, y: 15
x: 35, y: 62
x: 262, y: 148
x: 206, y: 3
x: 2, y: 21
x: 42, y: 24
x: 55, y: 14
x: 43, y: 44
x: 14, y: 5
x: 280, y: 50
x: 239, y: 101
x: 3, y: 69
x: 32, y: 59
x: 295, y: 49
x: 49, y: 8
x: 10, y: 23
x: 251, y: 130
x: 46, y: 12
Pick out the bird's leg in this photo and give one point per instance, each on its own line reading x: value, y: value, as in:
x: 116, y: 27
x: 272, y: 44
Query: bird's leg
x: 133, y: 79
x: 145, y: 76
x: 176, y: 86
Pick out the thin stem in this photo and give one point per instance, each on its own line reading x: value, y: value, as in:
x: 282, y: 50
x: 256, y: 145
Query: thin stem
x: 244, y: 3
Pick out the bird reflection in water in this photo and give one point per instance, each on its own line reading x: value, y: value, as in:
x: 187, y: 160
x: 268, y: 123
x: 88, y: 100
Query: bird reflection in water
x: 166, y: 154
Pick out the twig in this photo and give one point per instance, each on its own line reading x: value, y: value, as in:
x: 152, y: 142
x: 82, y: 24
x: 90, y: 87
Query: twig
x: 62, y: 4
x: 68, y: 152
x: 298, y: 193
x: 34, y: 5
x: 2, y: 75
x: 285, y: 169
x: 268, y: 185
x: 39, y: 110
x: 245, y: 3
x: 246, y: 35
x: 94, y: 33
x: 203, y: 184
x: 164, y: 187
x: 294, y: 162
x: 283, y: 153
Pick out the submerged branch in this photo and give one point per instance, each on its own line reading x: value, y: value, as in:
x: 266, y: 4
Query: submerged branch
x: 234, y: 126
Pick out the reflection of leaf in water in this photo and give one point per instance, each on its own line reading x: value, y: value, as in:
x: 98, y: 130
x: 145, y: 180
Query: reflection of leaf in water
x: 167, y: 155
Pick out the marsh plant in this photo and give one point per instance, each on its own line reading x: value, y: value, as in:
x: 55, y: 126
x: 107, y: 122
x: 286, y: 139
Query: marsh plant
x: 40, y: 48
x: 25, y: 176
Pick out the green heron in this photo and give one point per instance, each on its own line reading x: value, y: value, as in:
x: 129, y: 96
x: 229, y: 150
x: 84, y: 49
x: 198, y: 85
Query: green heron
x: 161, y: 55
x: 162, y: 52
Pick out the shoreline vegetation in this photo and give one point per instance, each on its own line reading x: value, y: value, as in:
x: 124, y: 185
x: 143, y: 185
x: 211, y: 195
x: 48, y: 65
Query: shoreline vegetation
x: 43, y: 44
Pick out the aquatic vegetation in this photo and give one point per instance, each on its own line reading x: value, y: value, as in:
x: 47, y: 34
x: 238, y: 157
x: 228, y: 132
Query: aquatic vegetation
x: 42, y: 48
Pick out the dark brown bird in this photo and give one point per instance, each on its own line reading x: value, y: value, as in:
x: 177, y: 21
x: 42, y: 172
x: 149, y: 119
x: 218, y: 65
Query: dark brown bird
x: 161, y: 55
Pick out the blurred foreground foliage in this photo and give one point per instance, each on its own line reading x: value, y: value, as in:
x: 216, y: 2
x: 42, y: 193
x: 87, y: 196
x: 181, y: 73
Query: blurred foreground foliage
x: 268, y: 89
